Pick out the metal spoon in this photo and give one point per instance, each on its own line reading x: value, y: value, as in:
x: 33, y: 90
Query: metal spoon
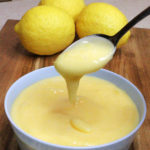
x: 115, y: 38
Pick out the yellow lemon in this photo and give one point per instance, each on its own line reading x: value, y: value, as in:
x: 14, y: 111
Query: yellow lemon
x: 46, y: 30
x: 101, y: 18
x: 72, y: 7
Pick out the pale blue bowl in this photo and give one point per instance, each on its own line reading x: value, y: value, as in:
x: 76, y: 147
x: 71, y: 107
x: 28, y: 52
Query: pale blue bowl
x: 27, y: 142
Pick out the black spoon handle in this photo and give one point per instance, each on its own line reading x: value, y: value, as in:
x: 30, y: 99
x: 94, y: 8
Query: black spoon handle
x: 115, y: 38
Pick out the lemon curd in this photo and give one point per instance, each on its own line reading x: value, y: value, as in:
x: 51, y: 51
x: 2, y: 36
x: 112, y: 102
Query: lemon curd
x: 98, y: 112
x: 103, y: 113
x: 88, y: 55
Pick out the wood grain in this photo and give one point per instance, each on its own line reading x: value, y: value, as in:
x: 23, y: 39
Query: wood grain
x: 131, y: 61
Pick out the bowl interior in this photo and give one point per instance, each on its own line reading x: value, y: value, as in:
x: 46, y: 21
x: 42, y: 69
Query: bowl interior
x: 47, y: 72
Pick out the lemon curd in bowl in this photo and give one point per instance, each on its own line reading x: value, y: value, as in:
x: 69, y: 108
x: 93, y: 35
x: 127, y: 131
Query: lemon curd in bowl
x: 28, y: 141
x: 103, y: 113
x: 94, y: 112
x: 77, y: 111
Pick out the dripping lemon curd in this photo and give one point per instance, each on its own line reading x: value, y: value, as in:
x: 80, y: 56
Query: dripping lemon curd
x: 77, y: 110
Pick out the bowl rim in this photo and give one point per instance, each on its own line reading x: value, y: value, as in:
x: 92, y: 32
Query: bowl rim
x: 74, y: 147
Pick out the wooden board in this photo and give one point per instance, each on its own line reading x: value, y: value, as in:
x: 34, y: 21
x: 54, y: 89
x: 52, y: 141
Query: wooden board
x: 131, y: 61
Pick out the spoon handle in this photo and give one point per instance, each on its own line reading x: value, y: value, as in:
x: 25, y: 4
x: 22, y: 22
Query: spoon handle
x: 115, y: 38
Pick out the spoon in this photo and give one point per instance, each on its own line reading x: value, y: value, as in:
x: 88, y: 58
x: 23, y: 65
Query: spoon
x: 115, y: 38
